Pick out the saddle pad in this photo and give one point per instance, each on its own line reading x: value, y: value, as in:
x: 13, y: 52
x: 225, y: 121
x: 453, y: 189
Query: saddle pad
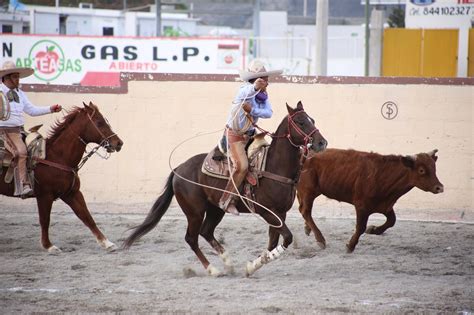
x: 215, y: 164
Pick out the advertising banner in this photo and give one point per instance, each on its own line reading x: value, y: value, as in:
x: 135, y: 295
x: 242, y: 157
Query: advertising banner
x: 439, y: 13
x: 98, y: 61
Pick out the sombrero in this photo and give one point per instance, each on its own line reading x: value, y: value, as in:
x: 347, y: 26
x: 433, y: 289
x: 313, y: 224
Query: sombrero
x: 9, y: 67
x: 255, y: 70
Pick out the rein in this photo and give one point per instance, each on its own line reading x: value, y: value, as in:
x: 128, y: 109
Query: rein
x: 307, y: 137
x: 304, y: 147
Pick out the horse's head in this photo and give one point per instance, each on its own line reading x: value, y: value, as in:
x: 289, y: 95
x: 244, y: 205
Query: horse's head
x: 302, y: 131
x: 97, y: 129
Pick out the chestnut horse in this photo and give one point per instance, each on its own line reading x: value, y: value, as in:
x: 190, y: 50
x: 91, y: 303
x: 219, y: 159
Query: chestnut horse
x: 199, y: 202
x: 56, y: 177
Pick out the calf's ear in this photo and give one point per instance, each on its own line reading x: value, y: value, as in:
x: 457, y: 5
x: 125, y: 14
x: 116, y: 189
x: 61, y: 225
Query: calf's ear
x: 408, y: 161
x: 433, y: 154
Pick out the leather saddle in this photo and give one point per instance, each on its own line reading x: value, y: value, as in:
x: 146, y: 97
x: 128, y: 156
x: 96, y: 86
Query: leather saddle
x: 216, y: 163
x: 36, y: 147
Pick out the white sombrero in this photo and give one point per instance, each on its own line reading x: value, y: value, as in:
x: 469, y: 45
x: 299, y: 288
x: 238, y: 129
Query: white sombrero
x: 255, y: 70
x: 9, y: 67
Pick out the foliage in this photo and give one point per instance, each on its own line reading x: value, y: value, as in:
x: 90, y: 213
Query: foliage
x: 396, y: 19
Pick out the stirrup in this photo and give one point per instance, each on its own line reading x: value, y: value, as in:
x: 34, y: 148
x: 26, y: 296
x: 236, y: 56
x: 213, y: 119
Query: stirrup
x: 231, y: 208
x: 27, y: 191
x: 229, y: 205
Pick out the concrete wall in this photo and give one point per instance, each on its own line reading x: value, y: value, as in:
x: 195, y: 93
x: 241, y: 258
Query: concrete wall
x: 154, y: 117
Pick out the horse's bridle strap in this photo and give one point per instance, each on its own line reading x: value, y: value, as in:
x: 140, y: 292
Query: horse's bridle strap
x: 54, y: 164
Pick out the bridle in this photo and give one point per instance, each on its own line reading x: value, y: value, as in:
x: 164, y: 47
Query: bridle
x: 105, y: 139
x: 103, y: 143
x: 307, y: 137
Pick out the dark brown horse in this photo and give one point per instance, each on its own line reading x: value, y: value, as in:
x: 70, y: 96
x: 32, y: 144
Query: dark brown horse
x: 200, y: 204
x: 56, y: 177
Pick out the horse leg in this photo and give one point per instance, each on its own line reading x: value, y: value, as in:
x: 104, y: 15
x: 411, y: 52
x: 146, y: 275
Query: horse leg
x: 76, y: 201
x: 207, y: 231
x: 277, y: 251
x: 44, y: 210
x: 273, y: 237
x: 192, y: 236
x: 361, y: 225
x: 391, y: 218
x: 305, y: 208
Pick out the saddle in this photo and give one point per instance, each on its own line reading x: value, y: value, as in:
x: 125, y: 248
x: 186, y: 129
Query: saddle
x: 216, y: 163
x: 36, y: 147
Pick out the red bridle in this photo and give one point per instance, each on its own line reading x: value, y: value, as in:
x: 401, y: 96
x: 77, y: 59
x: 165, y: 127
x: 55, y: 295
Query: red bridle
x: 291, y: 123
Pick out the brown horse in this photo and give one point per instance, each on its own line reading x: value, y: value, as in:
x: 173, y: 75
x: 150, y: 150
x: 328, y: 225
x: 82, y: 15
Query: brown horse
x: 56, y: 177
x: 199, y: 202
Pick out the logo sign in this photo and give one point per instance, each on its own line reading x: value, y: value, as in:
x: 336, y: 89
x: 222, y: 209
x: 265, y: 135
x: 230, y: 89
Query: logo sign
x: 422, y: 2
x: 47, y: 58
x: 389, y: 110
x: 89, y: 60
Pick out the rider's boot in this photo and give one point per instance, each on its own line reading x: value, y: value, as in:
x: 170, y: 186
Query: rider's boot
x: 227, y: 203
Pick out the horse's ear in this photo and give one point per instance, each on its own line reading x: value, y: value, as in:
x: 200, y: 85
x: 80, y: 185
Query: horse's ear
x: 299, y: 105
x: 93, y: 106
x: 290, y: 110
x: 83, y: 103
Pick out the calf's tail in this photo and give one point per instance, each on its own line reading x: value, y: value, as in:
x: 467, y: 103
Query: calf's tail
x: 154, y: 216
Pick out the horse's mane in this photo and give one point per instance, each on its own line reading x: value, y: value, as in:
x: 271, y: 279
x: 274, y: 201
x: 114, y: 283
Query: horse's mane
x: 60, y: 125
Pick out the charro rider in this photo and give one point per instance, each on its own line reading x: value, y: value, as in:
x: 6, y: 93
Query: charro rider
x: 250, y: 104
x: 11, y: 123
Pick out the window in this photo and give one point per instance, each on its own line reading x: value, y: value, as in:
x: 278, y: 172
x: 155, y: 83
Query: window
x: 108, y: 31
x: 7, y: 28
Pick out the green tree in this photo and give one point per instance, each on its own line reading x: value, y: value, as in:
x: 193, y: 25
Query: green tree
x: 397, y: 17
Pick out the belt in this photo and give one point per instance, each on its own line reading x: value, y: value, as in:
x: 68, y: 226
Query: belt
x: 249, y: 132
x: 11, y: 129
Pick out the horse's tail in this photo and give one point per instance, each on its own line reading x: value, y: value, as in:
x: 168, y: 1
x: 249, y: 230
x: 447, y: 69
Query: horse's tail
x: 156, y: 212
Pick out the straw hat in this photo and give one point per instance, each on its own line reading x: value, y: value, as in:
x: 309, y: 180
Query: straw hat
x: 255, y: 70
x: 9, y: 67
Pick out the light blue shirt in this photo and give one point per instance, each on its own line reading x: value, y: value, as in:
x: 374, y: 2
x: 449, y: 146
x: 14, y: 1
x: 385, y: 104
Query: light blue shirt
x: 237, y: 119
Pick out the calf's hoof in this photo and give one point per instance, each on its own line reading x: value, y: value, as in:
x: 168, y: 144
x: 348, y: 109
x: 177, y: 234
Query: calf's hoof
x: 349, y: 248
x: 54, y: 250
x: 321, y: 245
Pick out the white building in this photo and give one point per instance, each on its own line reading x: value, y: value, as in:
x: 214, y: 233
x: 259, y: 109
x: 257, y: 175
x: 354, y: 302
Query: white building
x: 90, y: 21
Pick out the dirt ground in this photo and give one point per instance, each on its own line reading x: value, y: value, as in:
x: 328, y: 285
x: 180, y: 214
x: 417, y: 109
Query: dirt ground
x: 414, y: 267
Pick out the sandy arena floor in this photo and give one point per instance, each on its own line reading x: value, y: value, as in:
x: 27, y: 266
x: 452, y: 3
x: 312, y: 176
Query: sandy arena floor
x: 414, y: 267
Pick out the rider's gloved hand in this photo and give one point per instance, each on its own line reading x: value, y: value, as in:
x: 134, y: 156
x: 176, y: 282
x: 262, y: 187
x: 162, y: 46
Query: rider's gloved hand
x: 55, y: 108
x: 247, y: 107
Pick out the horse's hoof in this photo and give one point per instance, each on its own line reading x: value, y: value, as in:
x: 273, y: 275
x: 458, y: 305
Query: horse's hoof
x: 307, y: 231
x: 107, y: 245
x: 321, y: 245
x: 370, y: 229
x: 111, y: 248
x: 213, y: 271
x: 249, y: 269
x: 54, y: 250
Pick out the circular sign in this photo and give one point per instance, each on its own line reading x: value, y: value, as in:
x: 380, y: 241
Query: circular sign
x: 389, y: 110
x: 47, y: 59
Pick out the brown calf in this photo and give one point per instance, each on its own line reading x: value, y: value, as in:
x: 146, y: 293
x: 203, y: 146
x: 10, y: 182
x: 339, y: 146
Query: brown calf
x: 371, y: 182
